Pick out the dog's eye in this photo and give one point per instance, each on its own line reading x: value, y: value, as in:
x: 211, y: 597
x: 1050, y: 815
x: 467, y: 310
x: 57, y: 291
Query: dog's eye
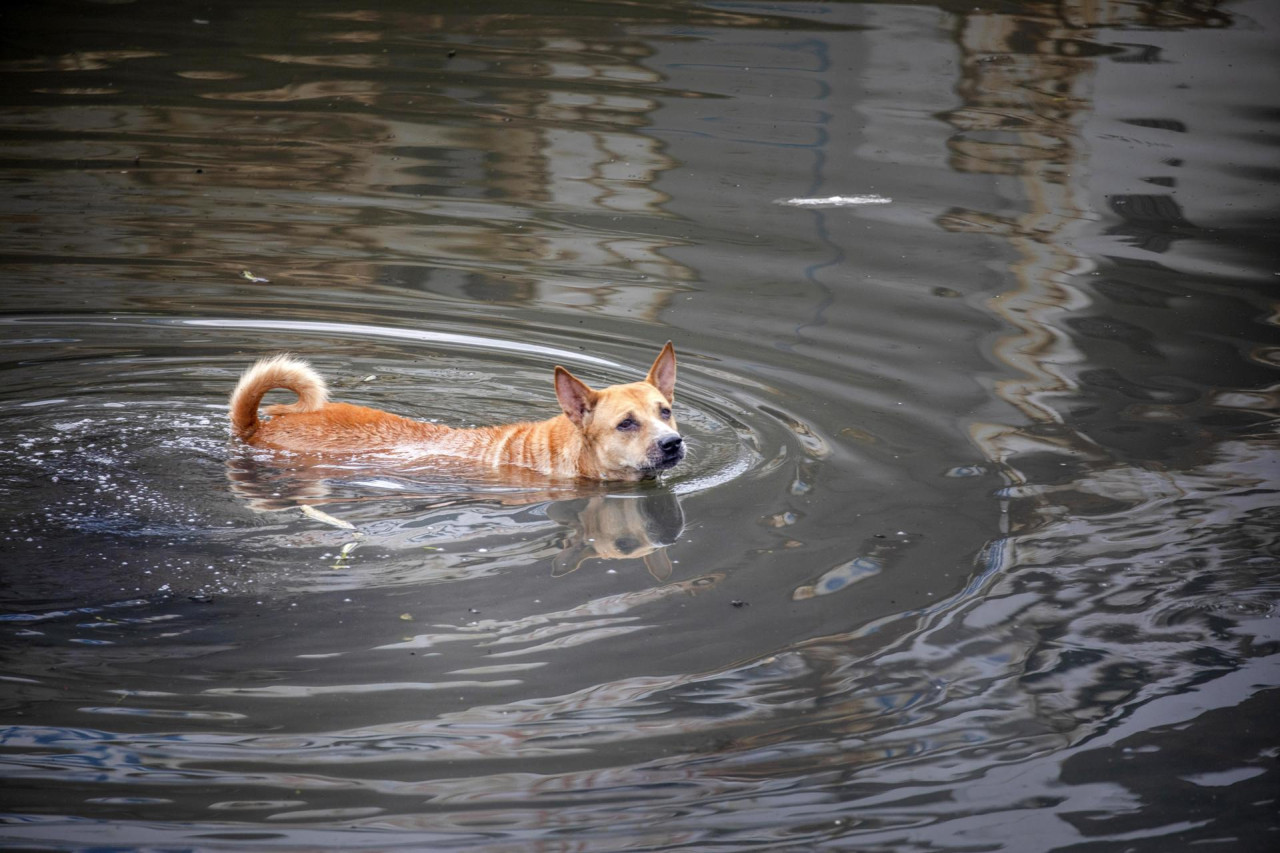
x: 665, y: 413
x: 628, y: 424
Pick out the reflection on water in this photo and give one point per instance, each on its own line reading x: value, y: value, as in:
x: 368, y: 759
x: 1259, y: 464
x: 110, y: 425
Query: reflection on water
x: 975, y: 546
x: 506, y: 157
x: 605, y: 529
x: 629, y: 526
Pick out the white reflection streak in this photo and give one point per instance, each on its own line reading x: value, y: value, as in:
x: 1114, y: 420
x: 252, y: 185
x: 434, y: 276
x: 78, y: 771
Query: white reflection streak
x: 296, y: 691
x: 834, y: 201
x: 385, y: 332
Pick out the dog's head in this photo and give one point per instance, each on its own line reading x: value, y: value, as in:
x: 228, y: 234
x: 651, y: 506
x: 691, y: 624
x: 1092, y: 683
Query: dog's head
x: 628, y: 431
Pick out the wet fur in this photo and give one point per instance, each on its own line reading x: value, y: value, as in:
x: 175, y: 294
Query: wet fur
x: 623, y: 432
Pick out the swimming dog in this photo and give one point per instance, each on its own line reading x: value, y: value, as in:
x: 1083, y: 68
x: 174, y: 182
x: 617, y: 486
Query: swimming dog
x: 623, y: 432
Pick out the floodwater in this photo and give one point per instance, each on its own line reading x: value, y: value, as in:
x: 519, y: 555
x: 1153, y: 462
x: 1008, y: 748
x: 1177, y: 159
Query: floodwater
x: 976, y: 545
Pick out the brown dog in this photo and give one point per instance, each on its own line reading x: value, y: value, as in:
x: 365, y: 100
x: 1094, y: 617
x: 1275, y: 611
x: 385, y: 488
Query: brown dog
x: 623, y: 432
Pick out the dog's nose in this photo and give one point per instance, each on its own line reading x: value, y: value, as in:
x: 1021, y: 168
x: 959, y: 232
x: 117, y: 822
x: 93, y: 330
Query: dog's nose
x: 670, y: 444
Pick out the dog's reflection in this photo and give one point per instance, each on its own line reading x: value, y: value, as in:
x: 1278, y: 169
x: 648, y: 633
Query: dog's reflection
x: 637, y: 525
x: 616, y: 527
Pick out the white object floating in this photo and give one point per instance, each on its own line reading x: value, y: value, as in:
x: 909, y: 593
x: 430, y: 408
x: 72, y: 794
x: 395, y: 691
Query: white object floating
x: 322, y: 516
x: 835, y: 201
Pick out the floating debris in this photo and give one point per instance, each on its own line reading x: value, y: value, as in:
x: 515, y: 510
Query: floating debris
x: 344, y: 556
x: 322, y: 516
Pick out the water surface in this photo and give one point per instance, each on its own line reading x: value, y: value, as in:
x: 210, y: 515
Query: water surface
x: 976, y: 544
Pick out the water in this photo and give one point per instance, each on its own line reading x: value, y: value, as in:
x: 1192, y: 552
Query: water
x: 976, y: 545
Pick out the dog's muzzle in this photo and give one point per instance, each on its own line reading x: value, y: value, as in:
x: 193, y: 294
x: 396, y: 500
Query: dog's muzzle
x: 667, y: 452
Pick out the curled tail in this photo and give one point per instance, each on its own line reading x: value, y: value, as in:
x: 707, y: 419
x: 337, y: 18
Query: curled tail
x: 281, y: 371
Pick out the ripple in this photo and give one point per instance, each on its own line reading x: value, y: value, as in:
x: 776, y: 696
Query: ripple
x: 163, y: 714
x: 505, y: 380
x: 302, y: 691
x: 120, y: 460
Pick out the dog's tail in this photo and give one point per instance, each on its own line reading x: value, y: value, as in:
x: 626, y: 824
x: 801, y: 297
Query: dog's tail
x: 281, y: 371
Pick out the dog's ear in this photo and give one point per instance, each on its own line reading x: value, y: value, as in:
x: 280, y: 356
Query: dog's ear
x: 571, y: 558
x: 663, y: 373
x: 658, y: 564
x: 576, y: 399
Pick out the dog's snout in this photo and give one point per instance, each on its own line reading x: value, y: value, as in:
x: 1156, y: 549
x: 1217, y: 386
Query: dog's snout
x: 665, y: 452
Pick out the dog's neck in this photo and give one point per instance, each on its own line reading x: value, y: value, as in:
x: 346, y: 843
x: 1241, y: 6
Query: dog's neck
x: 572, y: 458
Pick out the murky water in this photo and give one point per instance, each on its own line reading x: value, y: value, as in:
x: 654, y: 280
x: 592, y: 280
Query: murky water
x: 976, y: 545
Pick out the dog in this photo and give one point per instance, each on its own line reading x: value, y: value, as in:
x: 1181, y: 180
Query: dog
x: 623, y: 432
